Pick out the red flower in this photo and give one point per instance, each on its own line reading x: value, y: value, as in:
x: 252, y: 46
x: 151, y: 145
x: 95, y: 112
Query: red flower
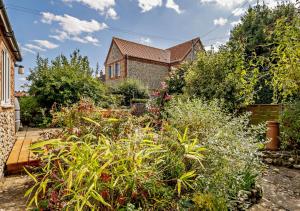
x: 134, y: 195
x: 105, y: 177
x: 104, y: 194
x: 54, y: 197
x: 121, y: 200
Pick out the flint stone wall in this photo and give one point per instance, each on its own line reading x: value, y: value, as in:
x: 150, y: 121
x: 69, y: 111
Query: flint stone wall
x: 7, y: 136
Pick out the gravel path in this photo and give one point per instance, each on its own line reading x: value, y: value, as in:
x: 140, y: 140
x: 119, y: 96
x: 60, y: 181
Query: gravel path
x: 12, y: 191
x: 281, y: 191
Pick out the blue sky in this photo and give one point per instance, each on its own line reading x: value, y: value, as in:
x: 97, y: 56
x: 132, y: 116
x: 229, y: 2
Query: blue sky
x: 52, y: 27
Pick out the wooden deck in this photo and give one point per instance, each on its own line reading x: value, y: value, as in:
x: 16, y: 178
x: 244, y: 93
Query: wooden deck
x: 21, y: 154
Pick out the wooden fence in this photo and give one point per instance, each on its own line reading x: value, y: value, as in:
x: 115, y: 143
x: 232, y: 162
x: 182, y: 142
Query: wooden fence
x: 264, y: 112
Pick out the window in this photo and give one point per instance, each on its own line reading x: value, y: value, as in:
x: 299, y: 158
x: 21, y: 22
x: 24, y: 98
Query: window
x: 5, y: 79
x: 110, y: 71
x: 117, y: 69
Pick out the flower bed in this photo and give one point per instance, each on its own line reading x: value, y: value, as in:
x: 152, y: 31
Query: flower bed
x: 199, y: 158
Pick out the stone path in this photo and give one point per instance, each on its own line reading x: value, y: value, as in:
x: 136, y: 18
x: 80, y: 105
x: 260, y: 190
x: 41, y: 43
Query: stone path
x: 281, y: 190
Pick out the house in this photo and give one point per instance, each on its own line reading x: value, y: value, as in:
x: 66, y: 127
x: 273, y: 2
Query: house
x: 10, y: 54
x: 130, y: 60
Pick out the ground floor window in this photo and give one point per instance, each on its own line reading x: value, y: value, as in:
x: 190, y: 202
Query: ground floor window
x: 5, y: 78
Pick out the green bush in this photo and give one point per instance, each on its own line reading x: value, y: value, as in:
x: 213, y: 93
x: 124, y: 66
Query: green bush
x: 131, y: 89
x: 118, y: 162
x: 212, y: 76
x: 32, y: 114
x: 65, y: 81
x: 290, y: 126
x: 231, y: 163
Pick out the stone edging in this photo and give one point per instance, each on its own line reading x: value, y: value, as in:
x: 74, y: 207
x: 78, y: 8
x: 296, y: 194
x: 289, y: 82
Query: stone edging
x: 290, y: 159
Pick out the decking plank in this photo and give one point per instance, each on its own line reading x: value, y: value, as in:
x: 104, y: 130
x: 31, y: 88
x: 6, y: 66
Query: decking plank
x: 24, y: 153
x: 15, y: 152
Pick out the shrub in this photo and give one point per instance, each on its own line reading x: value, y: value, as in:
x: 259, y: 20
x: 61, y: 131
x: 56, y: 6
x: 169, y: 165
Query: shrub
x: 212, y: 76
x: 130, y: 89
x: 231, y: 163
x: 65, y: 81
x: 176, y: 80
x: 117, y: 161
x: 32, y: 114
x: 290, y: 126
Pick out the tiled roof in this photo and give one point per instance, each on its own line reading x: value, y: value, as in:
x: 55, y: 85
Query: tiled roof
x: 173, y: 54
x: 142, y: 51
x: 179, y: 52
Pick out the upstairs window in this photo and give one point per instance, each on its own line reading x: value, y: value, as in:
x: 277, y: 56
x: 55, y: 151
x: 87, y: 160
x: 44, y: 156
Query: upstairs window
x: 5, y: 79
x: 117, y: 69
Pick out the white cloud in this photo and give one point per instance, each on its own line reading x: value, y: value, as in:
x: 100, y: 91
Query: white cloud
x: 239, y: 11
x: 220, y: 21
x: 104, y: 7
x: 145, y: 40
x: 214, y: 47
x: 111, y: 13
x: 86, y: 39
x: 62, y: 36
x: 224, y: 3
x: 172, y: 5
x: 147, y: 5
x: 24, y: 49
x: 234, y: 23
x: 46, y: 44
x: 72, y: 25
x: 34, y: 47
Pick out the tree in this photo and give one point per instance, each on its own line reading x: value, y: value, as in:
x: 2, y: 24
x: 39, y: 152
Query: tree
x: 211, y: 76
x: 285, y: 69
x: 254, y: 40
x: 64, y: 81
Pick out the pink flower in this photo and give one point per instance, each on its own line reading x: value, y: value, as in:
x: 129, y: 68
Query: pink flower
x: 164, y: 85
x: 168, y: 97
x: 156, y: 94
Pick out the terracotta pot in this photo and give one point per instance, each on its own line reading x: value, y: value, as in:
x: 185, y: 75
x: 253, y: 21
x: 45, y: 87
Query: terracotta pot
x: 273, y: 136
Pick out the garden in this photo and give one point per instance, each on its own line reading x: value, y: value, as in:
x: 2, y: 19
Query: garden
x: 193, y: 147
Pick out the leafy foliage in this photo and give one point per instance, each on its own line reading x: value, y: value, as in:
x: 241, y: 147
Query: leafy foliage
x: 65, y: 81
x: 286, y: 70
x: 256, y: 39
x: 212, y: 76
x: 130, y: 89
x: 259, y: 64
x: 117, y: 161
x: 175, y: 81
x: 230, y: 164
x: 31, y: 113
x: 290, y: 126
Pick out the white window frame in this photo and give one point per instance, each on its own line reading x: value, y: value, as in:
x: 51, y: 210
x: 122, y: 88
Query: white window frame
x: 118, y: 69
x: 5, y: 79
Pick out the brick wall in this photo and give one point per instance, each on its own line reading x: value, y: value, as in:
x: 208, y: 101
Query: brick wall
x: 261, y: 113
x: 7, y: 115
